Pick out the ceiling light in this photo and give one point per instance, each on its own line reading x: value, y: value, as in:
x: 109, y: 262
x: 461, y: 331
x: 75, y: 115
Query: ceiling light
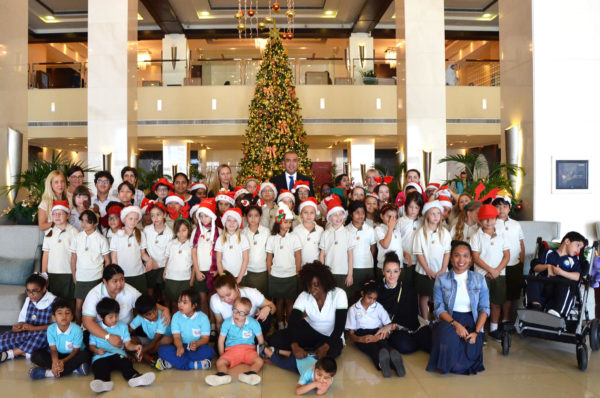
x: 49, y: 19
x: 487, y: 15
x: 140, y: 18
x: 330, y: 14
x: 204, y: 15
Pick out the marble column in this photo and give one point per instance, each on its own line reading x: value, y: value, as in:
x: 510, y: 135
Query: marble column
x: 175, y: 153
x: 361, y: 151
x: 421, y: 84
x: 13, y: 84
x: 112, y: 83
x: 356, y: 42
x: 174, y: 46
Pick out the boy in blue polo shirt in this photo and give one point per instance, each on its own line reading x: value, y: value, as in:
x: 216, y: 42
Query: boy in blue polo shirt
x: 107, y: 357
x: 191, y: 332
x: 562, y: 263
x: 149, y: 319
x: 237, y: 346
x: 315, y: 374
x: 66, y: 353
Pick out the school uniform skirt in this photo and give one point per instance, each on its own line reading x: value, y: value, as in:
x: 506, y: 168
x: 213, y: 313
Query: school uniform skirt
x: 154, y: 278
x: 450, y: 353
x: 139, y: 282
x: 173, y: 288
x: 407, y: 274
x: 283, y: 288
x: 424, y: 285
x: 257, y: 280
x: 61, y: 285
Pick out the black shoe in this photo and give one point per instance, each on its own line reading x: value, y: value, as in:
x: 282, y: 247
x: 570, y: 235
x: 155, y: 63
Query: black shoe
x: 396, y: 359
x: 535, y: 306
x: 384, y: 362
x: 496, y: 335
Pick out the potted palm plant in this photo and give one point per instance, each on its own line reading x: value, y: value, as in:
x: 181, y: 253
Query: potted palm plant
x: 368, y: 77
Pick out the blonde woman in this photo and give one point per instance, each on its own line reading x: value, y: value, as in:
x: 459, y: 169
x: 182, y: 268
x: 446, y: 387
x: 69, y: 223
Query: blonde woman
x: 55, y: 188
x: 370, y: 176
x: 223, y: 180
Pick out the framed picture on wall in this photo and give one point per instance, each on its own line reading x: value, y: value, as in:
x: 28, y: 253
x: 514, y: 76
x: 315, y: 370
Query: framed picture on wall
x: 572, y: 175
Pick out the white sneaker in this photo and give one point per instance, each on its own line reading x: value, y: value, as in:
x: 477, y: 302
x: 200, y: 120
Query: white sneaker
x: 251, y: 378
x: 99, y: 386
x: 142, y: 380
x: 553, y: 312
x: 216, y: 380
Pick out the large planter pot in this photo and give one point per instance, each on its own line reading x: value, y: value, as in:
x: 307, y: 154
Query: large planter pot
x: 369, y: 80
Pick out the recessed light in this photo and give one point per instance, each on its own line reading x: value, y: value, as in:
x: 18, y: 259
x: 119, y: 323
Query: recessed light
x: 204, y: 15
x: 140, y: 18
x: 49, y: 19
x: 487, y: 15
x: 330, y: 14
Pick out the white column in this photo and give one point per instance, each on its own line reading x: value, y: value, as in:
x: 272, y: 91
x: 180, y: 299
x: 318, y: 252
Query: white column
x: 174, y: 46
x: 421, y: 83
x: 175, y: 152
x: 362, y: 151
x: 356, y: 41
x: 112, y: 83
x: 13, y: 83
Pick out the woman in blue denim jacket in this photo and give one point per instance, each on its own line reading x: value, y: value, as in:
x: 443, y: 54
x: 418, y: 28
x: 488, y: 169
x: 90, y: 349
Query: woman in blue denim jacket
x: 462, y: 305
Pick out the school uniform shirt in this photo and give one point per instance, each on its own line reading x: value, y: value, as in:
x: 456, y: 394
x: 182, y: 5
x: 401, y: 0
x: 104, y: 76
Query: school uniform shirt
x: 395, y: 243
x: 204, y: 247
x: 90, y: 250
x: 190, y: 328
x: 306, y: 369
x: 283, y: 249
x: 433, y: 246
x: 513, y: 234
x: 128, y: 251
x: 268, y: 216
x: 468, y: 232
x: 156, y: 243
x: 232, y: 250
x: 257, y: 258
x: 323, y: 321
x: 179, y: 267
x: 57, y: 246
x: 490, y: 249
x: 119, y: 329
x: 219, y: 307
x: 138, y: 196
x: 370, y: 223
x: 363, y: 238
x: 126, y: 299
x: 74, y: 219
x: 309, y: 241
x: 373, y: 317
x: 109, y: 234
x: 566, y: 263
x: 408, y: 228
x: 236, y: 335
x: 151, y: 328
x: 67, y: 341
x: 337, y: 243
x: 42, y: 304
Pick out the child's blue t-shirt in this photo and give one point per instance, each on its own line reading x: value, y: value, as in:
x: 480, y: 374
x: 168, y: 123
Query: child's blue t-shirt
x: 192, y: 328
x: 566, y: 263
x: 244, y: 335
x: 151, y: 328
x: 67, y: 341
x: 119, y: 329
x: 306, y: 369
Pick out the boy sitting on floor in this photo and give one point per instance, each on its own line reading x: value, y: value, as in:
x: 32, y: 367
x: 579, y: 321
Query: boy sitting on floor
x: 149, y: 318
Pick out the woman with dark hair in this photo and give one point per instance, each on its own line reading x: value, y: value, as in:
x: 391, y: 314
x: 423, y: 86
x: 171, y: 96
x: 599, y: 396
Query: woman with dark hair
x: 180, y: 186
x: 74, y: 178
x: 317, y: 321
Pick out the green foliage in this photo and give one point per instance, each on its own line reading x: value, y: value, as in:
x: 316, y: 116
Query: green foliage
x: 367, y: 73
x: 147, y: 178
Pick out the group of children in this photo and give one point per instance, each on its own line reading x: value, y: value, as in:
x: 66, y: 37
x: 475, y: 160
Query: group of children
x: 172, y: 251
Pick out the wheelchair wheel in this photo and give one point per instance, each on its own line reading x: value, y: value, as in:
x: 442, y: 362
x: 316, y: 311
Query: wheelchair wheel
x: 595, y: 335
x: 506, y: 340
x: 582, y: 357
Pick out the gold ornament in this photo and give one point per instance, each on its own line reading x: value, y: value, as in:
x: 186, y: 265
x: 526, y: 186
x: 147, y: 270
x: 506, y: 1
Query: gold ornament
x: 241, y: 27
x: 301, y: 169
x: 290, y: 13
x: 239, y: 15
x: 262, y: 26
x: 276, y: 7
x: 268, y: 20
x: 251, y: 12
x: 270, y: 173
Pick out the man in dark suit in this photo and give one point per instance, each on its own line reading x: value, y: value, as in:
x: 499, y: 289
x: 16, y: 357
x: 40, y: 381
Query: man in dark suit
x: 288, y: 179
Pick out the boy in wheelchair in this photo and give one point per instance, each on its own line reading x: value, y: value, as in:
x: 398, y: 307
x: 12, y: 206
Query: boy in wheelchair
x: 561, y: 263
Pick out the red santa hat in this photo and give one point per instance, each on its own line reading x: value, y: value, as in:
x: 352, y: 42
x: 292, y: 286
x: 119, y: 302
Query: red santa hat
x: 148, y: 204
x: 444, y: 191
x: 194, y: 209
x: 300, y: 184
x: 197, y: 186
x: 432, y: 185
x: 130, y: 209
x: 311, y: 202
x: 487, y: 211
x: 283, y: 213
x: 175, y: 198
x: 162, y: 181
x: 414, y: 185
x: 207, y: 207
x: 225, y: 196
x: 284, y: 193
x: 445, y: 201
x: 265, y: 185
x: 61, y: 205
x: 334, y: 204
x: 239, y: 191
x: 432, y: 204
x: 235, y: 213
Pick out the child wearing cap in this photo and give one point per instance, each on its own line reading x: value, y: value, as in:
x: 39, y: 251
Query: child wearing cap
x: 257, y: 235
x: 267, y: 193
x: 301, y: 192
x: 162, y: 188
x: 431, y: 246
x: 251, y: 184
x: 177, y: 208
x: 128, y: 249
x: 283, y: 263
x: 490, y: 255
x: 111, y: 222
x: 178, y: 267
x: 308, y: 231
x: 232, y: 247
x: 337, y: 245
x: 514, y: 238
x: 225, y: 200
x: 158, y: 235
x: 288, y: 198
x: 199, y: 191
x: 56, y: 259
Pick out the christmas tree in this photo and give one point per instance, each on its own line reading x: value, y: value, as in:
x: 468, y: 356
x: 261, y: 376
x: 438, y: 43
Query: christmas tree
x: 275, y: 125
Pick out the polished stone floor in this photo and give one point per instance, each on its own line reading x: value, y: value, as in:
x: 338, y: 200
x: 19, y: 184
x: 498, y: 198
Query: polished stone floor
x: 534, y: 368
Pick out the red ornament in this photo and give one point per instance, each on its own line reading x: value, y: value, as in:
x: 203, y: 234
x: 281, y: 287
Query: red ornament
x: 276, y: 7
x: 251, y: 12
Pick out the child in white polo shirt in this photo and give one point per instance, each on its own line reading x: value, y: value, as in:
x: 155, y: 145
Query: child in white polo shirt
x: 267, y: 194
x: 89, y: 254
x: 128, y: 249
x: 369, y: 325
x: 257, y: 235
x: 179, y: 266
x: 56, y: 258
x: 112, y: 224
x: 232, y: 248
x: 490, y: 255
x: 283, y: 263
x: 364, y: 240
x: 337, y: 245
x: 389, y: 237
x: 158, y: 235
x: 308, y: 231
x: 409, y: 223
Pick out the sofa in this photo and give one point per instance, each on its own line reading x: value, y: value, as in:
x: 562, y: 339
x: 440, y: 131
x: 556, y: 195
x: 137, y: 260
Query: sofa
x: 20, y: 255
x: 548, y: 230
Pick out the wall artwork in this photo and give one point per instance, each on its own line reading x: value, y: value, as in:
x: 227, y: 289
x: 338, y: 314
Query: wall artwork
x: 571, y: 174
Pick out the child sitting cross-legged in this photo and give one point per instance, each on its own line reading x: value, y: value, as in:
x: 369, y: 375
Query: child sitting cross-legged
x: 236, y: 345
x: 149, y: 319
x: 107, y: 357
x: 191, y: 331
x: 67, y: 353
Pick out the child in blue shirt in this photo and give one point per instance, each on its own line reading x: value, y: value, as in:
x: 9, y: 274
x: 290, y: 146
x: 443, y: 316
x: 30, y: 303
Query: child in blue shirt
x: 315, y: 374
x: 191, y: 332
x: 236, y: 345
x: 107, y: 357
x: 66, y: 353
x: 149, y: 320
x: 562, y: 263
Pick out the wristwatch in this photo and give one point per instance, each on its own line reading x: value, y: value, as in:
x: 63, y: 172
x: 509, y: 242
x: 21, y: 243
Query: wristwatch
x: 107, y: 336
x: 452, y: 322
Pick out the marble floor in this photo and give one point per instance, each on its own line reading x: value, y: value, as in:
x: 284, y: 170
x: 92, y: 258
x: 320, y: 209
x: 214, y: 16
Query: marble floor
x: 534, y: 368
